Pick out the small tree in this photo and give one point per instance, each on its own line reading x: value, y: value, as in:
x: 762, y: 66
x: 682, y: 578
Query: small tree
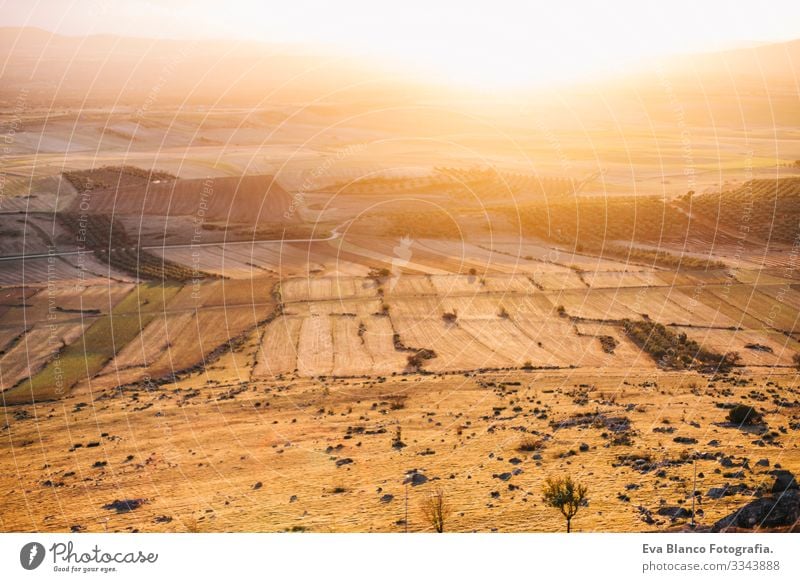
x: 436, y: 509
x: 565, y: 495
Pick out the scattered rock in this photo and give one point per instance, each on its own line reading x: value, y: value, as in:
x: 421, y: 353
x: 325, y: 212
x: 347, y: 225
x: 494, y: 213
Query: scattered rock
x: 784, y: 480
x: 734, y: 475
x: 675, y: 512
x: 387, y: 498
x: 782, y: 510
x: 645, y: 515
x: 685, y: 440
x: 258, y: 485
x: 125, y: 505
x: 415, y: 478
x: 726, y: 491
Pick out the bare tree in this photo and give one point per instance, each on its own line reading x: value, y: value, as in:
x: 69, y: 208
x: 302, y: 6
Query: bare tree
x: 565, y: 495
x: 436, y: 509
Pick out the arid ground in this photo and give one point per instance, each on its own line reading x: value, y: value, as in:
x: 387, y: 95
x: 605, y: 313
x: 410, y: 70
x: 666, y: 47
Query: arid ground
x: 306, y: 317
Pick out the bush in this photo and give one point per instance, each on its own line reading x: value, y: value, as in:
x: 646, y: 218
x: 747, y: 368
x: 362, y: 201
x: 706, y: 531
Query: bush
x: 450, y: 316
x: 530, y: 444
x: 742, y: 414
x: 419, y: 357
x: 436, y: 509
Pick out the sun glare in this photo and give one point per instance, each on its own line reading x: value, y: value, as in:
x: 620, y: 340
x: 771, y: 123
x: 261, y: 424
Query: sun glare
x: 492, y: 45
x: 508, y: 43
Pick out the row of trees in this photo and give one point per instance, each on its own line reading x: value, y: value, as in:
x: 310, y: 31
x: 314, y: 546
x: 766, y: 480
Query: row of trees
x: 109, y: 242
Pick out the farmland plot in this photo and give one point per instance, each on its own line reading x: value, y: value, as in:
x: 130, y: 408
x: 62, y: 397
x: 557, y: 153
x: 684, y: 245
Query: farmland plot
x: 559, y: 280
x: 783, y: 294
x: 37, y: 347
x: 156, y: 338
x: 315, y: 346
x: 277, y: 353
x: 502, y: 337
x: 9, y: 335
x: 67, y: 303
x: 207, y: 330
x: 14, y: 297
x: 557, y: 344
x: 727, y: 302
x: 89, y: 353
x: 626, y: 353
x: 317, y: 289
x: 379, y: 342
x: 617, y: 279
x: 756, y: 348
x: 597, y: 304
x: 350, y: 355
x: 762, y: 307
x: 409, y: 285
x: 456, y: 349
x: 509, y: 284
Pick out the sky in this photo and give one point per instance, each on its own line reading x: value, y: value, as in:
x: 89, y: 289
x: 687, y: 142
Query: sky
x: 492, y: 42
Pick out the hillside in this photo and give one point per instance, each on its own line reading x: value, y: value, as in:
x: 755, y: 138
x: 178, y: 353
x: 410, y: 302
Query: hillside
x: 243, y: 199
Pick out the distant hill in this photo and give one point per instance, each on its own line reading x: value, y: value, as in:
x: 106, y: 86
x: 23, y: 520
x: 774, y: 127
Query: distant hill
x: 102, y: 69
x: 244, y: 200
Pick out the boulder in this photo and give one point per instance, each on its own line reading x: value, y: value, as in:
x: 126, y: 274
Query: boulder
x: 674, y: 512
x: 776, y: 511
x: 784, y: 480
x: 685, y: 440
x: 415, y: 479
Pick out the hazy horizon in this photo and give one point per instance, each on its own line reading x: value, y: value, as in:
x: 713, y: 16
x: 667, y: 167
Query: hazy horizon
x: 516, y: 45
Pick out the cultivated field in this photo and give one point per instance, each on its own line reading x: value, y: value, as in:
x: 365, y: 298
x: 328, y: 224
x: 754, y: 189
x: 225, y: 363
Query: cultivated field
x: 267, y: 318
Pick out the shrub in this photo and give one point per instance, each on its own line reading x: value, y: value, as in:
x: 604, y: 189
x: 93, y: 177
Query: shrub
x: 742, y: 414
x: 450, y: 316
x: 419, y: 357
x: 436, y: 509
x: 530, y: 444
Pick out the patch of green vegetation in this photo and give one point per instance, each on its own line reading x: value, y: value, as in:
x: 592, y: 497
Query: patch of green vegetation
x: 660, y: 258
x: 113, y: 176
x: 769, y: 209
x: 86, y: 356
x: 675, y: 350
